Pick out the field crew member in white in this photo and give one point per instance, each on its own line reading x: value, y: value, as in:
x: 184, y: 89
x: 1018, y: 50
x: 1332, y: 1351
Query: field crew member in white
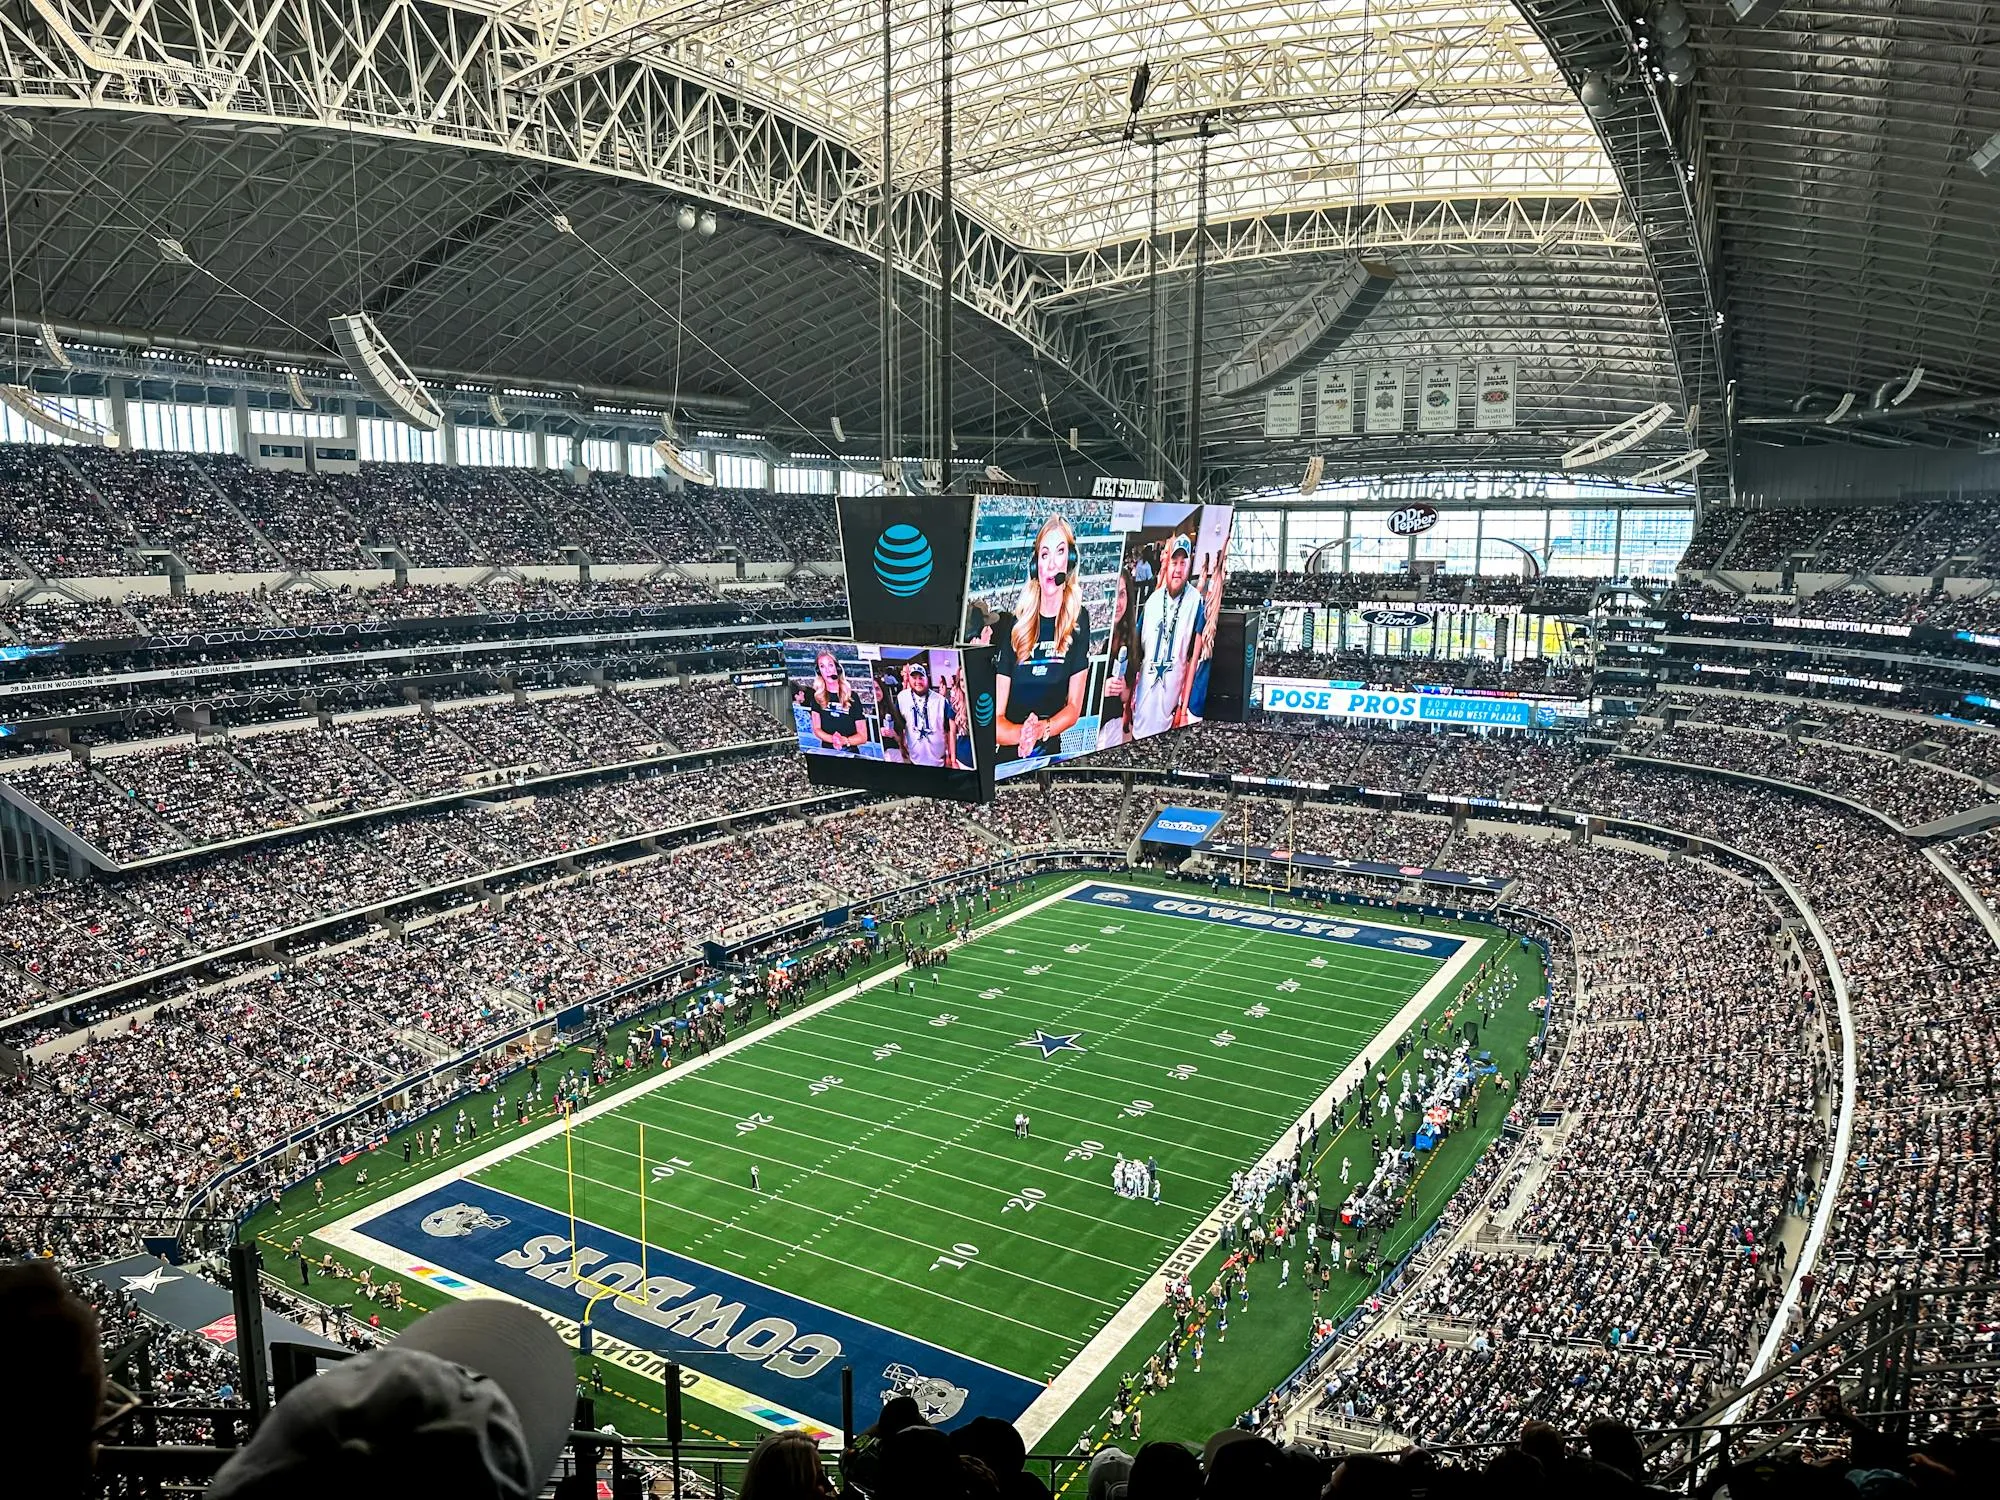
x: 1169, y: 623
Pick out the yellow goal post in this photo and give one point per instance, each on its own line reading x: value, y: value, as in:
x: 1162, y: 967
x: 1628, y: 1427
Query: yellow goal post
x: 598, y: 1290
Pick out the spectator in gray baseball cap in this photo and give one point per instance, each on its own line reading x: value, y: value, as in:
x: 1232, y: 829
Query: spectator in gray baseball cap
x: 473, y: 1401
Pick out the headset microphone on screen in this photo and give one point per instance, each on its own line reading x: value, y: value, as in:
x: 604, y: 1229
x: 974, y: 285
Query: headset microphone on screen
x: 1061, y: 578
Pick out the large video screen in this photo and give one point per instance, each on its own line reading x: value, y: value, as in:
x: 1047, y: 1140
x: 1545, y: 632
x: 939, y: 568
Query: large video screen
x: 904, y: 705
x: 1102, y: 617
x: 905, y: 557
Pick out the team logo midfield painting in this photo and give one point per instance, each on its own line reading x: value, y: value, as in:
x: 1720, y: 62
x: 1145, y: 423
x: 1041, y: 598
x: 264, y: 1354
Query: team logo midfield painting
x: 903, y: 560
x: 938, y: 1399
x: 456, y: 1222
x: 1053, y: 1042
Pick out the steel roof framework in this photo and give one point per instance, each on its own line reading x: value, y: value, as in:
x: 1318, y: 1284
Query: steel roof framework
x: 1382, y: 127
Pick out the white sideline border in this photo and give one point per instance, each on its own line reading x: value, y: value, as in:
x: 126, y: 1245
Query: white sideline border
x: 1110, y: 1340
x: 1097, y: 1355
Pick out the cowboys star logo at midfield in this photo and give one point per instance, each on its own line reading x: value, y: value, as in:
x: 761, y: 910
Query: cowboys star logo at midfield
x: 151, y: 1281
x: 1053, y: 1042
x: 456, y: 1222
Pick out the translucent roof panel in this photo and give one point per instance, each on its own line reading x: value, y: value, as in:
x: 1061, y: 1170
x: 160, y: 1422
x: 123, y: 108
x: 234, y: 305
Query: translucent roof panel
x: 1314, y: 102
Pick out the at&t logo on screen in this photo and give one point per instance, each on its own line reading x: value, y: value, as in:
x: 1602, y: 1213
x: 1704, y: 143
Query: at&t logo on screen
x: 903, y: 560
x: 982, y: 710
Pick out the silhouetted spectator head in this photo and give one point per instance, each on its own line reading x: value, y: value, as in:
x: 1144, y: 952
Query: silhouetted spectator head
x: 919, y: 1463
x: 1246, y: 1465
x: 473, y: 1401
x: 52, y: 1380
x: 1164, y: 1471
x: 1369, y: 1476
x: 1616, y: 1446
x: 1110, y: 1469
x: 786, y: 1466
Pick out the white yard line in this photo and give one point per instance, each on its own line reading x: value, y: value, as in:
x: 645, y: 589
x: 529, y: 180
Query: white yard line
x: 623, y: 1096
x: 1098, y: 1355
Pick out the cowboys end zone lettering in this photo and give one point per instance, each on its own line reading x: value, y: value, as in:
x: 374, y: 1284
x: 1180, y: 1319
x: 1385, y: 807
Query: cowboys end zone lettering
x: 764, y: 1341
x: 1328, y: 700
x: 1295, y: 924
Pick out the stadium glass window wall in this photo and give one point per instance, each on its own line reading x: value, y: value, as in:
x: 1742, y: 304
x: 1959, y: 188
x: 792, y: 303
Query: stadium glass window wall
x: 1578, y: 539
x: 1575, y: 528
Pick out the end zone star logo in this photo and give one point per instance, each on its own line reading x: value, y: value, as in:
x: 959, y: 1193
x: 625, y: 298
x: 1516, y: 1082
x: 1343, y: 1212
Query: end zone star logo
x: 151, y: 1281
x: 1053, y: 1043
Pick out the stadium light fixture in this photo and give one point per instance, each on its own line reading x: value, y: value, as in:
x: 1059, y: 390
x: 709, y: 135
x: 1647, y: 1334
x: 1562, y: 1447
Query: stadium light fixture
x: 52, y: 346
x: 685, y: 217
x: 1673, y: 468
x: 1626, y: 434
x: 382, y: 373
x: 675, y: 460
x: 1595, y: 94
x: 51, y: 415
x: 704, y: 224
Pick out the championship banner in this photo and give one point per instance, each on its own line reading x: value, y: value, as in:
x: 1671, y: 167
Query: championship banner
x: 1385, y: 398
x: 1437, y: 399
x: 1336, y: 401
x: 1494, y: 408
x: 1281, y: 411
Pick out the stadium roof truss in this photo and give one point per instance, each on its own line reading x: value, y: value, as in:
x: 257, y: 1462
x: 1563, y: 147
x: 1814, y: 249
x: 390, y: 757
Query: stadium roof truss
x: 1426, y: 132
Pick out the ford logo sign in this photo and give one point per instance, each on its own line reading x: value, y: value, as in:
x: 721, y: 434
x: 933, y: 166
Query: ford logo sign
x: 1396, y: 619
x: 903, y: 560
x: 1412, y: 519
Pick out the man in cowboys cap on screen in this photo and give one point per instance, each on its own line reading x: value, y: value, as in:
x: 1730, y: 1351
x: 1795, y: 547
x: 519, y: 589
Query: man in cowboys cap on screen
x: 928, y: 719
x: 1171, y: 624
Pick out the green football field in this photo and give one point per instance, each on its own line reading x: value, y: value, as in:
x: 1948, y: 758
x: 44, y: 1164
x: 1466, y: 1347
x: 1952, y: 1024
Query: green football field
x: 883, y: 1131
x: 893, y: 1187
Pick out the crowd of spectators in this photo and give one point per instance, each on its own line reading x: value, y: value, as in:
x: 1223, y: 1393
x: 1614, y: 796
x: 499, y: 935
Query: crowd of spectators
x: 173, y: 506
x: 1830, y: 609
x: 50, y: 520
x: 49, y: 616
x: 1911, y: 791
x: 1069, y: 812
x: 1638, y: 1255
x: 156, y: 800
x: 221, y: 515
x: 1890, y: 540
x: 69, y: 938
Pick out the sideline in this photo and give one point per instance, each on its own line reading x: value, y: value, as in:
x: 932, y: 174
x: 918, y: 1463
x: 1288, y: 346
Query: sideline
x: 1097, y: 1356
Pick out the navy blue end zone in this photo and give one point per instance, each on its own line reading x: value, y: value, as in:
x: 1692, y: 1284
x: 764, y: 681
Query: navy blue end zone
x: 767, y: 1342
x: 1330, y: 929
